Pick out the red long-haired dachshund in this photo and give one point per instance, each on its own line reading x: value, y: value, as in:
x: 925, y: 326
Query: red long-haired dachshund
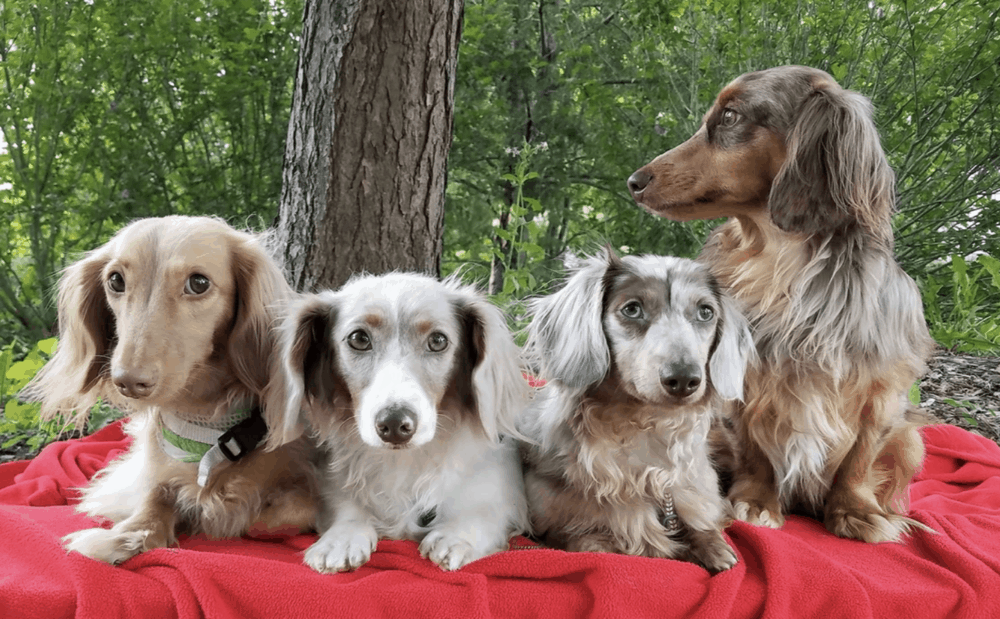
x: 795, y: 162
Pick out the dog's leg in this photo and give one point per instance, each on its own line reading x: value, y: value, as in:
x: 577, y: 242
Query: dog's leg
x: 754, y: 493
x: 349, y: 542
x: 150, y: 527
x: 591, y: 542
x: 481, y: 512
x: 853, y: 508
x: 703, y: 513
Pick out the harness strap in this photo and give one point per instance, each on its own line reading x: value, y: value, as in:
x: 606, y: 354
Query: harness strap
x: 209, y: 445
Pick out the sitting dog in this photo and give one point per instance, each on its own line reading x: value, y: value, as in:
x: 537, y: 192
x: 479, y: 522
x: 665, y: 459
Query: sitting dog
x: 795, y: 162
x: 639, y: 355
x: 410, y: 383
x: 172, y: 318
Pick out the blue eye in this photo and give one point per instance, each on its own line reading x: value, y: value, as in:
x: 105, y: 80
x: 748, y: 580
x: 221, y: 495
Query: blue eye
x: 437, y: 342
x: 632, y: 309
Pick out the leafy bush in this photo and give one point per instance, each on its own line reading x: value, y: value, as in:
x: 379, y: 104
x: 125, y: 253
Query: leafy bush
x: 961, y: 304
x: 20, y: 423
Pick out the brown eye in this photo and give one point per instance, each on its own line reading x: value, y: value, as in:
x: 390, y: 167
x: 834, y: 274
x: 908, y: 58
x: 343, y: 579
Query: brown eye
x: 359, y: 340
x: 197, y: 284
x: 116, y: 282
x: 730, y: 117
x: 705, y: 313
x: 437, y: 342
x: 632, y: 310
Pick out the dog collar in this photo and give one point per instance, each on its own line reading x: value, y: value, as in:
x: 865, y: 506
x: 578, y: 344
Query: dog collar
x: 209, y: 443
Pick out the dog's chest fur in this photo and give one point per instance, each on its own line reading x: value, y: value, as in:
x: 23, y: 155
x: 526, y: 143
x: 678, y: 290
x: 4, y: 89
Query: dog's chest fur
x: 403, y: 488
x: 632, y: 453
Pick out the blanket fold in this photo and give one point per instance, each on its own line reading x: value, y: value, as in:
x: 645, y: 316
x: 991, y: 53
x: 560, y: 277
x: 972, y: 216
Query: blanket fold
x: 800, y: 570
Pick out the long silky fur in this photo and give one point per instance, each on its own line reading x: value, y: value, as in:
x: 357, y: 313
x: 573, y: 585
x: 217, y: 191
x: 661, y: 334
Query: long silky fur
x: 243, y: 369
x: 600, y: 465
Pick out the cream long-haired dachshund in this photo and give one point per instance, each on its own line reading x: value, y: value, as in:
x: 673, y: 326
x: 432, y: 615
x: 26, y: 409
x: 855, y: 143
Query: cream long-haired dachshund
x: 411, y: 384
x: 640, y: 355
x: 795, y: 161
x: 173, y: 319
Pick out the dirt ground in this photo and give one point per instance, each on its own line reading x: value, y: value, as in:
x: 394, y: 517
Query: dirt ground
x: 964, y: 390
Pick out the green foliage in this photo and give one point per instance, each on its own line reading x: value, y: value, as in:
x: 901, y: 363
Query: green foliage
x: 20, y: 422
x: 962, y: 304
x: 608, y: 87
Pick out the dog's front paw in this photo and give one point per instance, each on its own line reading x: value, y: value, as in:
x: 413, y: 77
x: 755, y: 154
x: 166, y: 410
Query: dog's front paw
x: 710, y: 550
x: 341, y: 549
x: 448, y: 551
x: 107, y: 545
x: 871, y: 527
x: 757, y: 514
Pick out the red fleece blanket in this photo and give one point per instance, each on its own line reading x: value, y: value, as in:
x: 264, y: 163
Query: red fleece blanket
x: 798, y: 571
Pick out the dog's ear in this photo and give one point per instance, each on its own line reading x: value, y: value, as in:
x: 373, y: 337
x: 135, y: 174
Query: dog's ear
x: 261, y: 291
x: 309, y: 364
x: 499, y: 389
x: 69, y: 384
x: 835, y: 172
x: 733, y: 349
x: 566, y: 334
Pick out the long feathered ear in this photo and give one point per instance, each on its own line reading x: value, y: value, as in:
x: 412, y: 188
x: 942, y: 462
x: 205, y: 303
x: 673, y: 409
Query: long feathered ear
x: 835, y: 172
x: 70, y: 383
x: 309, y: 364
x: 261, y: 291
x: 500, y: 390
x: 734, y: 350
x: 566, y: 333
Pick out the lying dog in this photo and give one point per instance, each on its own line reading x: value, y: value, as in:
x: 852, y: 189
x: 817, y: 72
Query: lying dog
x: 172, y: 318
x: 410, y: 383
x: 639, y: 354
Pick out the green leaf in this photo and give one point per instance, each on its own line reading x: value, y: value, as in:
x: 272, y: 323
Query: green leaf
x: 47, y: 346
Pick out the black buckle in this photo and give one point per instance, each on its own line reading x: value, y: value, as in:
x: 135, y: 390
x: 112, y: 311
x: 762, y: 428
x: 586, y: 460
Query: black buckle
x: 245, y: 436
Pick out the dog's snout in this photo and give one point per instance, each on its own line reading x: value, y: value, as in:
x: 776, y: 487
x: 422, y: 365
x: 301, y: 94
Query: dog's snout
x: 639, y: 180
x: 396, y: 424
x: 681, y: 379
x: 133, y: 384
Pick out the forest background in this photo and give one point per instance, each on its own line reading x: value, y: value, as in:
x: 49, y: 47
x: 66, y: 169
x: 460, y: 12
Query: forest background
x: 112, y: 110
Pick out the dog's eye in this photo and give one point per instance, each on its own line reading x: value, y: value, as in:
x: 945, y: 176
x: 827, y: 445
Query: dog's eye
x: 437, y: 342
x: 730, y: 117
x: 197, y: 284
x: 359, y: 340
x: 116, y: 282
x: 632, y: 310
x: 705, y: 313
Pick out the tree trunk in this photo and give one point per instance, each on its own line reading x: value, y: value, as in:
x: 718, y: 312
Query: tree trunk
x: 365, y: 161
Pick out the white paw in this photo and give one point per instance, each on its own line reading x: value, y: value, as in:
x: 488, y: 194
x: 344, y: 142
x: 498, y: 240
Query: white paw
x: 106, y: 545
x: 448, y: 551
x: 342, y: 548
x: 757, y: 516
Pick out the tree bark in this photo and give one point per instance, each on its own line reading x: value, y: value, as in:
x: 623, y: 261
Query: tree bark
x: 365, y: 161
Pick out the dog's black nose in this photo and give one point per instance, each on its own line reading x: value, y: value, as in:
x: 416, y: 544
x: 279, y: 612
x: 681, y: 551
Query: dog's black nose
x: 681, y: 380
x: 638, y: 181
x: 396, y: 424
x: 132, y: 384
